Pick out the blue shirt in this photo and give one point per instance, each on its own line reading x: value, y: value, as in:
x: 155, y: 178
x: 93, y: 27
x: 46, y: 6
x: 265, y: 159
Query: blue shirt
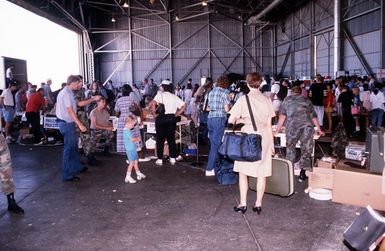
x: 218, y: 98
x: 128, y: 144
x: 65, y: 99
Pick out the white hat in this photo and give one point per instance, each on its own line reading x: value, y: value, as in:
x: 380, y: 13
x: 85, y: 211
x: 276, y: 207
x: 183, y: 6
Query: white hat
x: 166, y: 82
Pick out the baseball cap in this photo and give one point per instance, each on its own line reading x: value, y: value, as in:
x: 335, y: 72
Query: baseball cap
x: 166, y: 82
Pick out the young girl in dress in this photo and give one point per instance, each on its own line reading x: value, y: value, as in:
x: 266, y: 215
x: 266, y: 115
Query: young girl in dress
x: 130, y: 147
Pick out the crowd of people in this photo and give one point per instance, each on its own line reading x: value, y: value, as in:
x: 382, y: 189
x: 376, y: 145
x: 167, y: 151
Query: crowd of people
x: 84, y: 111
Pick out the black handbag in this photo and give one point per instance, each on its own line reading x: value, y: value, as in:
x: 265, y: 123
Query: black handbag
x: 242, y: 146
x: 366, y: 231
x: 160, y: 109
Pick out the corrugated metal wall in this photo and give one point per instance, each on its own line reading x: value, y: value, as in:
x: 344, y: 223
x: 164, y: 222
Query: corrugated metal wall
x: 361, y: 18
x: 205, y: 46
x: 299, y: 45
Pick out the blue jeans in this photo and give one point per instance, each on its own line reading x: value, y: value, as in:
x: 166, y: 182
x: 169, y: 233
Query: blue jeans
x: 203, y: 121
x: 216, y: 130
x: 376, y: 117
x: 71, y: 161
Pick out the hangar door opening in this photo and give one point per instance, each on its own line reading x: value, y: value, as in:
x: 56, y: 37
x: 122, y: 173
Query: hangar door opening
x: 323, y: 51
x: 50, y: 50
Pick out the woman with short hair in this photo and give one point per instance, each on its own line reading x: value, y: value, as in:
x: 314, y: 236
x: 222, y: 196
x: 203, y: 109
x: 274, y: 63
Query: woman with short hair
x: 262, y: 110
x: 218, y: 106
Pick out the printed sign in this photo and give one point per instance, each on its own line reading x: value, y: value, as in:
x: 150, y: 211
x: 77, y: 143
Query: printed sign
x: 50, y: 123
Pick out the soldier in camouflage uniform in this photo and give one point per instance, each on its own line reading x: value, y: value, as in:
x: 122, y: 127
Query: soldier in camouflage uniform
x: 85, y: 138
x: 7, y: 185
x: 101, y: 127
x: 300, y: 117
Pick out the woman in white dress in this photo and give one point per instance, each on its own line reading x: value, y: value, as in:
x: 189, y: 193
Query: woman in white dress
x: 263, y: 112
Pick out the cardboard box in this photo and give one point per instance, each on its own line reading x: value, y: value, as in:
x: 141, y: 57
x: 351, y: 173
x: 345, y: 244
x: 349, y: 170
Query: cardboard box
x: 325, y: 164
x: 321, y: 178
x: 359, y: 189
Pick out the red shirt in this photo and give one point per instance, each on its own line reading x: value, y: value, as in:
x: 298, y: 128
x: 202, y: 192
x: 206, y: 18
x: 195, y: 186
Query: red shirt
x: 34, y: 103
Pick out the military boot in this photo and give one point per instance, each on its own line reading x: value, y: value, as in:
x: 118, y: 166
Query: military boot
x: 12, y: 205
x: 91, y: 161
x: 302, y: 175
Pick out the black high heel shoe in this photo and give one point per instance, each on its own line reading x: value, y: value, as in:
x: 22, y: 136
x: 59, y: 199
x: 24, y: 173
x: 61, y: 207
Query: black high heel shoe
x: 241, y: 209
x: 258, y: 210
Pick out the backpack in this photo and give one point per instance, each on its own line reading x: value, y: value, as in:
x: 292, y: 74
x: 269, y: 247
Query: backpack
x: 281, y: 95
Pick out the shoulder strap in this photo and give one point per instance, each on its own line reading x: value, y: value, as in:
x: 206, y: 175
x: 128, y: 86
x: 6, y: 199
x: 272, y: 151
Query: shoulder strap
x: 251, y: 113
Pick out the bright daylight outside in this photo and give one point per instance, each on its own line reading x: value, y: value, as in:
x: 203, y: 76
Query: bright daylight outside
x: 51, y: 51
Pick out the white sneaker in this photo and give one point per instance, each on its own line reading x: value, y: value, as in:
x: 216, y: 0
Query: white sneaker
x: 140, y: 176
x: 210, y: 173
x: 129, y: 179
x: 159, y: 162
x: 172, y: 161
x: 179, y: 158
x: 144, y: 159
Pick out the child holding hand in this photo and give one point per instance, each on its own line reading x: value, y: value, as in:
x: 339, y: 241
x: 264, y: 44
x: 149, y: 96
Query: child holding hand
x: 130, y: 147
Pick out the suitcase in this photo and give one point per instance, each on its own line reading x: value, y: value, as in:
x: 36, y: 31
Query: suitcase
x: 281, y: 182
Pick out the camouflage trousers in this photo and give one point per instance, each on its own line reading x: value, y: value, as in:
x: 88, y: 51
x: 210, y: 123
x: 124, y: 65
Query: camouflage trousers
x: 85, y: 139
x: 97, y: 135
x: 7, y: 184
x: 305, y: 136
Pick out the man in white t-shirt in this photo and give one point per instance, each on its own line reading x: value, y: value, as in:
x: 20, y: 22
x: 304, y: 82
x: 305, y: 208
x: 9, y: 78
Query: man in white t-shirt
x: 9, y: 75
x: 7, y: 101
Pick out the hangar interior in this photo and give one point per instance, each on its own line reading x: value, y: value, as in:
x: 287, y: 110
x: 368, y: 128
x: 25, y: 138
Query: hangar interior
x: 176, y: 208
x: 190, y: 39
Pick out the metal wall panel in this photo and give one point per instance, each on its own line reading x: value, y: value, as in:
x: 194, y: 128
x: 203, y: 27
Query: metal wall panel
x: 369, y: 46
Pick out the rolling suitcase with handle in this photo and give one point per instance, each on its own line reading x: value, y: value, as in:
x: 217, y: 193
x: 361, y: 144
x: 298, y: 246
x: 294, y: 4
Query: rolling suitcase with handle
x: 281, y: 182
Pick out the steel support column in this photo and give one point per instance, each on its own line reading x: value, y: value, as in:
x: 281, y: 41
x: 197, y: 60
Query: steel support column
x: 292, y: 58
x: 337, y: 37
x: 209, y: 44
x: 311, y: 38
x: 243, y: 46
x: 274, y: 37
x: 131, y: 67
x: 170, y: 45
x: 383, y: 34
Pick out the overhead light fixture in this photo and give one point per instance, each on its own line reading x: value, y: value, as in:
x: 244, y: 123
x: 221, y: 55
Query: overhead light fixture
x: 125, y: 5
x: 204, y: 3
x: 113, y: 20
x: 177, y: 18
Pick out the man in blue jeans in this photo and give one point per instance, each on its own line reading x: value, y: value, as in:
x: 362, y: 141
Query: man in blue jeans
x: 66, y: 108
x: 219, y: 106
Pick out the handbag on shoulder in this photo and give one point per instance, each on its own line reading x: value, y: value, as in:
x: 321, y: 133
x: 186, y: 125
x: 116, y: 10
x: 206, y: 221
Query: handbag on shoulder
x: 242, y: 146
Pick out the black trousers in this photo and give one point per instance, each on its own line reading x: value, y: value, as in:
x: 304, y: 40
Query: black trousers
x: 34, y: 119
x: 165, y: 126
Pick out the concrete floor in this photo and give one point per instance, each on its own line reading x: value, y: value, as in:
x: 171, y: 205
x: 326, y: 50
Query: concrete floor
x: 175, y: 208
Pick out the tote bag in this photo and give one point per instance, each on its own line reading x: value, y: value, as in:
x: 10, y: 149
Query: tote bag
x: 242, y: 146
